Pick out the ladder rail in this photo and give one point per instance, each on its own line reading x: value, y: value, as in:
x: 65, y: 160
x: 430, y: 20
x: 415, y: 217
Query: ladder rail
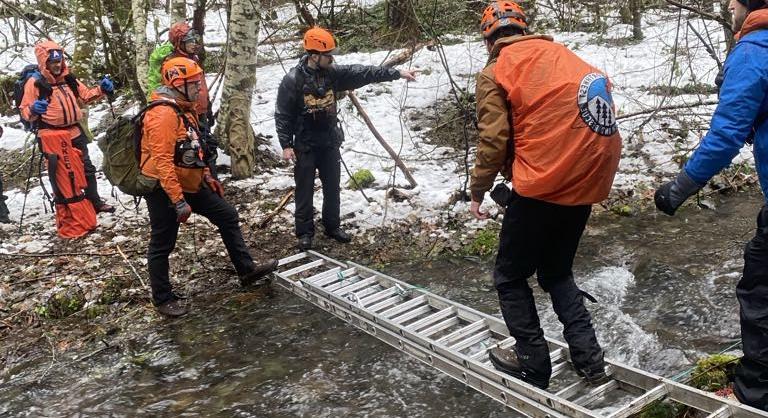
x: 434, y: 313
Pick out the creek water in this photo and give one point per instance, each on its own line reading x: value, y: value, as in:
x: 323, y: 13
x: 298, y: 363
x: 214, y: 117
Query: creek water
x: 665, y: 290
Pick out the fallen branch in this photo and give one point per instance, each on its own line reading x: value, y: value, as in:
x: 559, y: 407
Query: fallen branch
x: 406, y: 54
x: 670, y: 107
x: 284, y: 201
x: 131, y: 266
x: 375, y: 132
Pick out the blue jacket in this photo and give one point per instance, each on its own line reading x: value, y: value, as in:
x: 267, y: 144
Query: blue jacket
x: 743, y: 98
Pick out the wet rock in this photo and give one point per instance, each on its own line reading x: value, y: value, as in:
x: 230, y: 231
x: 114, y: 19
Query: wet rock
x: 62, y: 303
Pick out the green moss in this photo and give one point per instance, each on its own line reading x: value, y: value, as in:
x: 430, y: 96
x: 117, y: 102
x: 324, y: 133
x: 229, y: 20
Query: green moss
x: 361, y: 179
x: 485, y: 242
x: 660, y: 409
x: 62, y: 304
x: 714, y: 372
x: 623, y: 210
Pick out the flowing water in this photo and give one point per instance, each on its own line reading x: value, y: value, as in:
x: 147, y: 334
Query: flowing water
x: 665, y: 288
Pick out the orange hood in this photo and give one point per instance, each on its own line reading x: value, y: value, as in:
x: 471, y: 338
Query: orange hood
x: 755, y: 21
x: 42, y: 49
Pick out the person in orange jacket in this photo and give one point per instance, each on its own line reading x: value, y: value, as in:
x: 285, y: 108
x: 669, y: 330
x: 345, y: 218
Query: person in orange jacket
x: 186, y: 43
x: 58, y: 108
x: 546, y: 120
x: 171, y: 153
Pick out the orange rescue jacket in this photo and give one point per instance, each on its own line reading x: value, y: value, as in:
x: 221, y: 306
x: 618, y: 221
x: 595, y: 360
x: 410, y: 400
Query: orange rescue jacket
x: 162, y: 129
x: 63, y: 108
x: 566, y: 141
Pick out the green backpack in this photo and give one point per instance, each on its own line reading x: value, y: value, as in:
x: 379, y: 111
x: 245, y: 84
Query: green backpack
x: 156, y: 59
x: 121, y: 147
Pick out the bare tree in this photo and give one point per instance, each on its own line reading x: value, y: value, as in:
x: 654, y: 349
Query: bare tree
x: 636, y: 10
x: 234, y: 120
x: 178, y: 11
x: 85, y: 45
x: 139, y: 8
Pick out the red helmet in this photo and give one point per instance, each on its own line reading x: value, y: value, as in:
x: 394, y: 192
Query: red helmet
x: 501, y: 14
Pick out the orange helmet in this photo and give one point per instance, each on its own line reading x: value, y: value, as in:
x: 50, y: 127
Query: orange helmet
x: 502, y: 13
x: 319, y: 40
x: 180, y: 70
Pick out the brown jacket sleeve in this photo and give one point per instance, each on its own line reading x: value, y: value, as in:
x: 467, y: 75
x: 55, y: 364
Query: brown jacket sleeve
x: 495, y: 133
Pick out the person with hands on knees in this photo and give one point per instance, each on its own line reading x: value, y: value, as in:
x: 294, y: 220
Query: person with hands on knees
x: 308, y: 128
x: 51, y: 103
x: 561, y: 157
x: 171, y: 153
x: 739, y: 118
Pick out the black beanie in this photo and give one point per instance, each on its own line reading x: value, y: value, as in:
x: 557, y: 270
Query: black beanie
x: 753, y: 5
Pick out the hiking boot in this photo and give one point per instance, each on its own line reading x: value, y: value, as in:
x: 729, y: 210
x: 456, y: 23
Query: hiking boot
x: 339, y: 235
x: 258, y: 272
x: 594, y: 376
x: 305, y: 243
x: 104, y: 207
x: 508, y: 362
x: 173, y: 308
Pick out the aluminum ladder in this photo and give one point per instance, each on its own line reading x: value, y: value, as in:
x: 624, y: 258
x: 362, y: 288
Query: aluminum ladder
x: 455, y: 340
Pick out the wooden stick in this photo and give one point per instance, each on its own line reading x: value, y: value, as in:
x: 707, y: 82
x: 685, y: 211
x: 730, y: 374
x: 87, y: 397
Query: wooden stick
x: 284, y: 201
x: 131, y: 266
x: 392, y: 153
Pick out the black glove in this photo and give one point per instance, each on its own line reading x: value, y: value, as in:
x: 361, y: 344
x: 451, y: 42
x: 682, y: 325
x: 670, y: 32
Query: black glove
x: 671, y: 195
x: 183, y: 211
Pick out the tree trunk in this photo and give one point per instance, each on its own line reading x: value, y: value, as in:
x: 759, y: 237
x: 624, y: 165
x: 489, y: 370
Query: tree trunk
x: 85, y: 45
x: 234, y: 121
x: 198, y: 24
x: 726, y: 15
x: 178, y: 11
x: 636, y: 9
x: 141, y: 59
x: 401, y: 17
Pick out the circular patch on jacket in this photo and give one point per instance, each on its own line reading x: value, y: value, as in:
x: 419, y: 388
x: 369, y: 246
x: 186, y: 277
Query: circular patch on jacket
x: 596, y: 104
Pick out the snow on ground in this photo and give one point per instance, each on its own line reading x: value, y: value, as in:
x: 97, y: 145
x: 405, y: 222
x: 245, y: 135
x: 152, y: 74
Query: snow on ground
x: 438, y: 170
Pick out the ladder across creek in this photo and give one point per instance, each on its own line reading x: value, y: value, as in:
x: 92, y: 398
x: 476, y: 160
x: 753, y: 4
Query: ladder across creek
x: 455, y: 340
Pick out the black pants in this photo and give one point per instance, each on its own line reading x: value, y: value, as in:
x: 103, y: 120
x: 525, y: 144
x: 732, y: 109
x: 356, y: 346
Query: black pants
x: 92, y: 189
x: 751, y: 386
x: 4, y: 212
x: 327, y: 162
x: 542, y: 238
x: 162, y: 219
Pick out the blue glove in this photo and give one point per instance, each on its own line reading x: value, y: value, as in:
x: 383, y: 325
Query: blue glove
x: 107, y: 86
x: 39, y: 107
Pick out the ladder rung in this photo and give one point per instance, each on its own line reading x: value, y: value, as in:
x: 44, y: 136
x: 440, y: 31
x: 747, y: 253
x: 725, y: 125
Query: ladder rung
x: 421, y: 310
x: 386, y: 303
x: 437, y: 316
x: 723, y: 412
x: 328, y: 276
x: 303, y: 267
x: 479, y: 355
x: 461, y: 332
x: 440, y: 326
x: 640, y: 403
x: 354, y: 287
x: 368, y: 291
x: 557, y: 354
x: 469, y: 342
x: 570, y: 390
x: 291, y: 259
x: 403, y: 307
x: 597, y: 393
x: 559, y: 368
x: 378, y: 296
x: 343, y: 282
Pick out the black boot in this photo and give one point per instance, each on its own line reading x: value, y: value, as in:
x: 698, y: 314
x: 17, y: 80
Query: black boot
x: 339, y: 235
x: 259, y: 272
x: 531, y: 365
x: 568, y: 304
x: 173, y: 308
x: 305, y: 243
